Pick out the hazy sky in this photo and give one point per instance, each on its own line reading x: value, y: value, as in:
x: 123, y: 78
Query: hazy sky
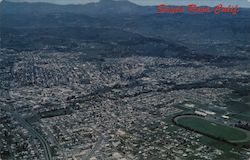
x: 242, y: 3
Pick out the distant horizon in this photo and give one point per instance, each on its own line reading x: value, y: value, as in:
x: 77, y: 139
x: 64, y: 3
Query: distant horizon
x: 211, y: 3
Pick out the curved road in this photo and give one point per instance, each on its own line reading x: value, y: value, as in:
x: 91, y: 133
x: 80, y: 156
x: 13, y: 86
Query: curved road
x: 45, y: 145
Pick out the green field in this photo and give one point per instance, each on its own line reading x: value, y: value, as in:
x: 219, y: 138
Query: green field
x: 220, y: 131
x: 241, y: 117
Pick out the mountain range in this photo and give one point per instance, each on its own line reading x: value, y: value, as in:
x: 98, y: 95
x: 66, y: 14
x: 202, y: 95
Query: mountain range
x: 104, y: 7
x: 123, y: 27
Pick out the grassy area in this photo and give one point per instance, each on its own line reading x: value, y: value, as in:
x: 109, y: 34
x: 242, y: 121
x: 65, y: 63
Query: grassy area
x: 241, y: 117
x: 226, y: 148
x: 219, y: 131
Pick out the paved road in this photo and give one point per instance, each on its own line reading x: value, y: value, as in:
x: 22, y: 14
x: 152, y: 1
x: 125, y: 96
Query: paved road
x: 50, y: 135
x: 97, y: 146
x: 34, y: 133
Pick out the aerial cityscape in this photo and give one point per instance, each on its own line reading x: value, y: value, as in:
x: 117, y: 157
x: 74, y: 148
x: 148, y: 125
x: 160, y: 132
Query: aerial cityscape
x: 113, y: 80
